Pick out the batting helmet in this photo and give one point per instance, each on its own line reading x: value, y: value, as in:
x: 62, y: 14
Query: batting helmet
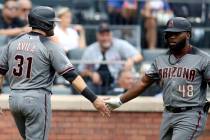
x: 178, y: 24
x: 43, y: 18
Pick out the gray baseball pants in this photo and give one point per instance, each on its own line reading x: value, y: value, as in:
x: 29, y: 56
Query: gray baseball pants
x: 31, y: 110
x: 186, y: 125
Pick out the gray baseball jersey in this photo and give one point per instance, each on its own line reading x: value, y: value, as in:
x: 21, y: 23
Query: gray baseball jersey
x: 184, y: 80
x: 31, y: 62
x: 184, y: 84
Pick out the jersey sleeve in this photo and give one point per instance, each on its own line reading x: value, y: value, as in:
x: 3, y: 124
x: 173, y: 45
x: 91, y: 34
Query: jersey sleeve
x: 4, y: 60
x: 152, y: 72
x: 59, y: 60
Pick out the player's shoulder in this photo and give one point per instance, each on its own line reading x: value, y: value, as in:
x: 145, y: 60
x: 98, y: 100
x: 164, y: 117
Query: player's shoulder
x: 15, y: 39
x: 48, y: 44
x: 199, y: 52
x: 44, y: 40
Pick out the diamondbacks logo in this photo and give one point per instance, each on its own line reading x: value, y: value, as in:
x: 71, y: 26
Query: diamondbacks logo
x: 171, y: 24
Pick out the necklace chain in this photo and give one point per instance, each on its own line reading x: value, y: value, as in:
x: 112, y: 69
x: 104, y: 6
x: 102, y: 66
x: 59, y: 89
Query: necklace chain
x: 175, y: 62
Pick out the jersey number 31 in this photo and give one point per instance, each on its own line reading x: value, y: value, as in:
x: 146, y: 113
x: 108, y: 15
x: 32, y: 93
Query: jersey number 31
x: 18, y: 70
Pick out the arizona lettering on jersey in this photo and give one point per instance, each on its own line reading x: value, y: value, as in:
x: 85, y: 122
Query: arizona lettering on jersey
x: 172, y: 72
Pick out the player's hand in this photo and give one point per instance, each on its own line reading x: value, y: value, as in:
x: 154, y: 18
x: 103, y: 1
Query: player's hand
x: 100, y: 105
x: 113, y: 103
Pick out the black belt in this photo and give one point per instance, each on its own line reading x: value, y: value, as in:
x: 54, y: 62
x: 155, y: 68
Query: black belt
x: 178, y: 109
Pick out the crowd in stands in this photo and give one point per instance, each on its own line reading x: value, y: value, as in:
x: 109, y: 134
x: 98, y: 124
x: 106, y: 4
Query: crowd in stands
x: 68, y: 36
x: 13, y: 21
x: 154, y: 13
x: 109, y: 64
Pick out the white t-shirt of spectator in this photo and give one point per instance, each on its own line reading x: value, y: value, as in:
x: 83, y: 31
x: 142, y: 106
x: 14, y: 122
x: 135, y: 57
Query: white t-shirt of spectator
x: 67, y: 40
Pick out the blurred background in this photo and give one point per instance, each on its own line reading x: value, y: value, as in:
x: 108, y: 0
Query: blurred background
x: 133, y: 30
x: 136, y: 25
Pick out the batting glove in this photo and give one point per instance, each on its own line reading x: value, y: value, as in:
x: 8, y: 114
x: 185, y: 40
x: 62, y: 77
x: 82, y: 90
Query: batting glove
x: 113, y: 103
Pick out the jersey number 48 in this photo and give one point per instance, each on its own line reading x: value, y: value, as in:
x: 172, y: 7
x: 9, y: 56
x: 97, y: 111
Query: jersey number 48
x: 186, y: 90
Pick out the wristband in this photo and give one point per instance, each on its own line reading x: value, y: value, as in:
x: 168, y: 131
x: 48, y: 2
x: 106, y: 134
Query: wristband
x: 87, y: 93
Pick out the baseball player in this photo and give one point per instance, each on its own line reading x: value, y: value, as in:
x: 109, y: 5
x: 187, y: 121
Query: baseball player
x: 30, y: 62
x: 183, y: 72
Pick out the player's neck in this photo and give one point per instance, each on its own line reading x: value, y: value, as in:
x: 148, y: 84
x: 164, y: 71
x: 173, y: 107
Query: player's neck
x: 39, y: 31
x: 184, y: 51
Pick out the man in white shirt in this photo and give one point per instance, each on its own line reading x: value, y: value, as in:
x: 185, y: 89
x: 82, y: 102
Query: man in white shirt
x: 109, y: 49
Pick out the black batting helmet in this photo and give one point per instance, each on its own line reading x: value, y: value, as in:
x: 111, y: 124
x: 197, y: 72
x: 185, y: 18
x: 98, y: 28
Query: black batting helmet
x: 178, y: 24
x: 43, y: 18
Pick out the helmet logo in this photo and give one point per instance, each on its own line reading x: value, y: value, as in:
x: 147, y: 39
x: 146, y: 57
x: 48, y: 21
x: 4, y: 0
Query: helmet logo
x: 171, y: 24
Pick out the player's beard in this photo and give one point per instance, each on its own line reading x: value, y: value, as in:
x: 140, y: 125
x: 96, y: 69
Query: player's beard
x: 178, y: 46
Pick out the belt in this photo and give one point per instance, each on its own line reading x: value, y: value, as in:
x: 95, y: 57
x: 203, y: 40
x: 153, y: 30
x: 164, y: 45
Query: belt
x: 178, y: 109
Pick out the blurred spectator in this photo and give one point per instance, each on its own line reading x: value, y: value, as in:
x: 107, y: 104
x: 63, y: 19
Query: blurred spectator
x: 25, y: 7
x: 180, y: 9
x: 125, y: 80
x: 154, y: 12
x: 122, y: 11
x: 66, y: 35
x: 129, y: 11
x: 195, y: 11
x: 114, y: 10
x: 101, y: 76
x: 10, y: 24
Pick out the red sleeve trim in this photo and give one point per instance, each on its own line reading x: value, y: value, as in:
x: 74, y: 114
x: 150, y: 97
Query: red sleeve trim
x: 66, y: 70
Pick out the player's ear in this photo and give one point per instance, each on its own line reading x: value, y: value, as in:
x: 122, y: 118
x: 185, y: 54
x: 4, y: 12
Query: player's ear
x: 188, y: 35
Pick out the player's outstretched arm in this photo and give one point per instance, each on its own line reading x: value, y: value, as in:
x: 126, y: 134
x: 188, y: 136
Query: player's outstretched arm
x: 132, y: 93
x: 79, y: 84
